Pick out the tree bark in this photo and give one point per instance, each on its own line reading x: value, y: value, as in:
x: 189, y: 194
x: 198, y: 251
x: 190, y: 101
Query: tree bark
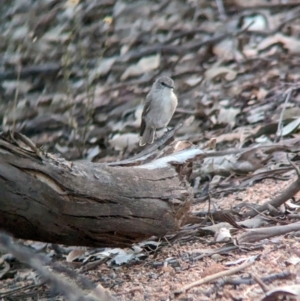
x: 46, y: 198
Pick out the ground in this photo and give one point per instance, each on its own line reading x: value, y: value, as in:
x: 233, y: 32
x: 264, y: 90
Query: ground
x: 73, y: 78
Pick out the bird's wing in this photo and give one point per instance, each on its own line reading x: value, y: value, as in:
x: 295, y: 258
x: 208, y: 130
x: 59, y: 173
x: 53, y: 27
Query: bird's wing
x: 145, y: 111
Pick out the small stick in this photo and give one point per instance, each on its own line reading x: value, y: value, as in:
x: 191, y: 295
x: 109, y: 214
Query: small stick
x: 221, y: 9
x: 150, y: 149
x: 286, y: 194
x: 216, y: 276
x: 287, y: 98
x: 260, y: 283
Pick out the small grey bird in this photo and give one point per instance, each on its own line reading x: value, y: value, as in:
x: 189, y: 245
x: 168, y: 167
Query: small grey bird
x: 159, y: 108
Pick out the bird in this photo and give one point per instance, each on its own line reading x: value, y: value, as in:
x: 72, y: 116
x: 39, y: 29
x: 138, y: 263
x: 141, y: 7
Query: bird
x: 159, y: 108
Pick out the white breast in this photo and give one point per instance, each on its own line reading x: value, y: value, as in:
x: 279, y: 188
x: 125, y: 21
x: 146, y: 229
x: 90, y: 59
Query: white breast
x: 163, y: 108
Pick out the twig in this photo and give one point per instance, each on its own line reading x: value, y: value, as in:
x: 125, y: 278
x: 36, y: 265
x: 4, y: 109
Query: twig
x: 172, y: 49
x: 260, y: 282
x: 249, y: 281
x: 27, y: 142
x: 16, y: 99
x: 279, y: 129
x: 38, y: 70
x: 295, y: 15
x: 247, y: 5
x: 268, y: 217
x: 279, y: 200
x: 144, y: 154
x: 212, y: 154
x: 221, y: 9
x: 223, y: 250
x: 216, y: 276
x: 38, y: 261
x: 188, y: 32
x: 253, y: 235
x: 20, y: 289
x: 294, y: 165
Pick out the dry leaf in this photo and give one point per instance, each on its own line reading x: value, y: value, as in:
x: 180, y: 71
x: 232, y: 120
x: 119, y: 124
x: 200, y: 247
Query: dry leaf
x: 103, y: 68
x: 144, y: 65
x: 227, y: 116
x: 290, y: 127
x: 75, y: 254
x: 193, y: 81
x: 290, y: 43
x: 258, y: 23
x: 293, y: 260
x: 13, y: 85
x: 222, y: 235
x: 214, y: 72
x: 122, y: 141
x: 283, y: 293
x: 226, y: 50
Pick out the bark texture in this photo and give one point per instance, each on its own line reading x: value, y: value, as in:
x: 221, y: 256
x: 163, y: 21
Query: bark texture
x: 46, y: 198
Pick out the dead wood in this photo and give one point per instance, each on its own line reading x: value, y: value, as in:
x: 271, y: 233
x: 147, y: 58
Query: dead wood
x: 288, y: 193
x: 250, y: 281
x: 49, y: 69
x: 47, y: 198
x: 72, y: 285
x: 146, y: 152
x: 216, y: 276
x: 253, y: 235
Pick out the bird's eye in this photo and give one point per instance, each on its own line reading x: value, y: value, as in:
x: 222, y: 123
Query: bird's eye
x: 163, y: 84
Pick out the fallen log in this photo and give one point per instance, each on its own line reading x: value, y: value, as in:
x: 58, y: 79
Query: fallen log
x: 46, y: 198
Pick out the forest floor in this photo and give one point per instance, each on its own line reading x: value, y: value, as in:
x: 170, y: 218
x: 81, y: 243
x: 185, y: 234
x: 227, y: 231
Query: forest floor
x: 73, y: 78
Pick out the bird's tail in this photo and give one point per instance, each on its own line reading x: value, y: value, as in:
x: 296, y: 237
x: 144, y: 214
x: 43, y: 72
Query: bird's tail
x: 147, y: 137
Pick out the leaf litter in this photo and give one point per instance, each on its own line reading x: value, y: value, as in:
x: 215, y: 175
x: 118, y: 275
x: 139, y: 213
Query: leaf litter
x: 73, y: 77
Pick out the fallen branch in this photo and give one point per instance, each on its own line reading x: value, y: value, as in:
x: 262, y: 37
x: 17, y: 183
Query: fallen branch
x: 216, y: 276
x: 250, y: 281
x: 49, y: 199
x: 253, y: 235
x: 57, y: 278
x: 48, y: 69
x: 279, y: 200
x: 149, y: 150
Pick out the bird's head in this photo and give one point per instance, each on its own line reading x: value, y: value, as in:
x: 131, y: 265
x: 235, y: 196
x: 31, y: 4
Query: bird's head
x: 164, y: 82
